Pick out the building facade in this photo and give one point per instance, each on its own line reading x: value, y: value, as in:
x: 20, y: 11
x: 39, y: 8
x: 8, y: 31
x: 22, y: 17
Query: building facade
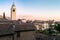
x: 13, y: 12
x: 24, y: 31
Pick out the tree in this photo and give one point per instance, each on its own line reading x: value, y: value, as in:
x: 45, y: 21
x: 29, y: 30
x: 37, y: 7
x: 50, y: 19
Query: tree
x: 52, y: 30
x: 57, y: 27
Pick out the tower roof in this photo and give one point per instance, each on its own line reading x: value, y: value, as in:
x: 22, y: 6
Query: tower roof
x: 13, y: 4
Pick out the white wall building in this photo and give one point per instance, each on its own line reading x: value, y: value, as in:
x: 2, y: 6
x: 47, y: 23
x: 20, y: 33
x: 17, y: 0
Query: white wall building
x: 45, y: 26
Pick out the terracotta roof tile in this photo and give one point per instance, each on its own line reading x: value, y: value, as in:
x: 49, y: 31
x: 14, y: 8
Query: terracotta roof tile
x: 26, y: 26
x: 6, y: 29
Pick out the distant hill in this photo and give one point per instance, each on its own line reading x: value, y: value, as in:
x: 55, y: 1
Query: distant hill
x: 27, y: 17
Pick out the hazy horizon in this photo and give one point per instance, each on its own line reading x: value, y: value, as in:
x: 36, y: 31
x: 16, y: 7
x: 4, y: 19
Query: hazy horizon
x: 32, y: 9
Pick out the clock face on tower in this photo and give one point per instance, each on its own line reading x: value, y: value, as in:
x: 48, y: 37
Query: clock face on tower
x: 13, y: 10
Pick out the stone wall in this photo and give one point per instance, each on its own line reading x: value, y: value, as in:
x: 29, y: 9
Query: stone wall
x: 24, y: 35
x: 28, y: 35
x: 6, y: 38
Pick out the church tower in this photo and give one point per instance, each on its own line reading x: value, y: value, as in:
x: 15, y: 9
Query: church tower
x: 4, y: 15
x: 13, y: 12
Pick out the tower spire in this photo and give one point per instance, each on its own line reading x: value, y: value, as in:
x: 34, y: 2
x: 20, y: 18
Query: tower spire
x: 13, y: 4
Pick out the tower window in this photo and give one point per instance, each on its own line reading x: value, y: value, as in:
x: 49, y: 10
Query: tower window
x: 13, y: 10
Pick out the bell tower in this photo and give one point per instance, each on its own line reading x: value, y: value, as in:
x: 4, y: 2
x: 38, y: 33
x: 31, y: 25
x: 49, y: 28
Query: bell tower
x: 13, y: 12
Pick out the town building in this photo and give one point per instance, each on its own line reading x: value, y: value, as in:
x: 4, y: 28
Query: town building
x: 42, y: 25
x: 16, y: 29
x: 24, y: 31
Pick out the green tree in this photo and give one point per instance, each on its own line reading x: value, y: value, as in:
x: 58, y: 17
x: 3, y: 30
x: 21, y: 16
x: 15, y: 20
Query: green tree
x: 52, y: 30
x: 57, y: 27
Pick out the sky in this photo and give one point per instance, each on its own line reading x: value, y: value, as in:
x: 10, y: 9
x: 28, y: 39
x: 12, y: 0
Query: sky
x: 32, y: 9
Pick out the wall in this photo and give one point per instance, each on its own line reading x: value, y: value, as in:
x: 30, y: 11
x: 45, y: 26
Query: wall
x: 28, y: 35
x: 6, y: 38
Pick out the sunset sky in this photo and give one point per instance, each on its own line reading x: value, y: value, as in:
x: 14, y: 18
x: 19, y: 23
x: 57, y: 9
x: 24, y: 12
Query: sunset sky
x: 32, y: 9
